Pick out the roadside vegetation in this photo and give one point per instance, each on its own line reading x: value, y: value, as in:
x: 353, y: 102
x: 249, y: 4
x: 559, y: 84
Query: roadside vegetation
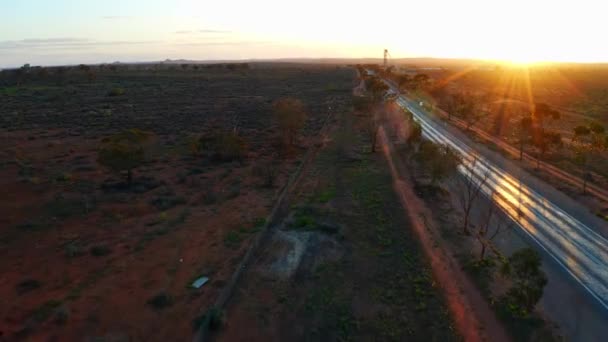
x: 512, y: 284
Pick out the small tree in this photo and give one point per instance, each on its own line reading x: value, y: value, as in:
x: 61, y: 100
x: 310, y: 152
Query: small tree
x: 376, y: 88
x: 598, y: 137
x: 546, y: 141
x: 596, y: 128
x: 490, y: 226
x: 580, y: 132
x: 471, y: 187
x: 524, y: 129
x: 91, y: 76
x: 528, y: 280
x: 469, y: 110
x: 591, y: 140
x: 449, y: 102
x: 403, y: 81
x: 420, y: 80
x: 362, y: 103
x: 415, y: 133
x: 541, y: 113
x: 580, y: 158
x: 291, y: 117
x: 373, y: 125
x: 123, y: 151
x: 440, y: 160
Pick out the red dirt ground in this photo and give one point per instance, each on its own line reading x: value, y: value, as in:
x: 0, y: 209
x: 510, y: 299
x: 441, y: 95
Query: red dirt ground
x: 106, y: 296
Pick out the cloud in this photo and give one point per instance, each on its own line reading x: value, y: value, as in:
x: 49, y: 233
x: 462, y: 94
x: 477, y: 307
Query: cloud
x: 224, y: 43
x: 115, y: 17
x: 213, y: 31
x: 210, y: 31
x: 51, y: 40
x: 63, y: 43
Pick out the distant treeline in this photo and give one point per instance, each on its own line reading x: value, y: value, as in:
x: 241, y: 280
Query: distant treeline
x: 27, y: 73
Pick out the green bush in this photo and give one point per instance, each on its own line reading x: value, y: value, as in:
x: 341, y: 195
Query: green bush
x: 528, y: 281
x: 116, y: 92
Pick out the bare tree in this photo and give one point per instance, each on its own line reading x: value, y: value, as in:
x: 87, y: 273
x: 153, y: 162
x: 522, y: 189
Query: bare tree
x: 471, y: 185
x: 375, y: 120
x: 490, y: 226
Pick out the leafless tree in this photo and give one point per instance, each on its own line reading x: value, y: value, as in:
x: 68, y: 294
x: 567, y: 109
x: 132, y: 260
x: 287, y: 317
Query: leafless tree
x: 471, y: 185
x: 490, y: 226
x: 375, y: 120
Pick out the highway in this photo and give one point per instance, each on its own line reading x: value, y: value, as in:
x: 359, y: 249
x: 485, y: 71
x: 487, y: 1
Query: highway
x: 573, y: 245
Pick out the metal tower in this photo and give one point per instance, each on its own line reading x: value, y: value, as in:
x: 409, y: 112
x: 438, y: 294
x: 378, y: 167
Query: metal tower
x: 385, y: 58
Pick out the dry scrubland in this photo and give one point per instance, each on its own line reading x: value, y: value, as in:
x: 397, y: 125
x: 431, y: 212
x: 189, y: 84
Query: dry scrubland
x: 345, y: 264
x: 87, y: 255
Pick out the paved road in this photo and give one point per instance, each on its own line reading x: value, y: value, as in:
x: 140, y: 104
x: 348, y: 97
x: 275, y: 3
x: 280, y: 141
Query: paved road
x: 575, y: 246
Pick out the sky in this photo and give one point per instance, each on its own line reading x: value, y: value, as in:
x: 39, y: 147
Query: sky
x: 55, y: 32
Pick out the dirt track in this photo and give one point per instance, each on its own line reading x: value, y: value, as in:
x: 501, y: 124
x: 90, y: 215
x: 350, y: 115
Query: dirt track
x: 474, y: 318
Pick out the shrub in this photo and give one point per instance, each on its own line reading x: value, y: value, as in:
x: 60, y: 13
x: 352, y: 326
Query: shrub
x: 362, y: 103
x: 62, y: 314
x: 123, y: 151
x: 74, y: 249
x: 415, y: 134
x: 223, y: 147
x: 63, y: 206
x: 100, y: 250
x: 161, y: 301
x: 43, y: 312
x: 528, y: 281
x: 216, y: 319
x: 116, y: 92
x: 167, y: 202
x: 290, y: 116
x: 232, y: 240
x: 210, y: 197
x: 267, y: 172
x: 27, y: 286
